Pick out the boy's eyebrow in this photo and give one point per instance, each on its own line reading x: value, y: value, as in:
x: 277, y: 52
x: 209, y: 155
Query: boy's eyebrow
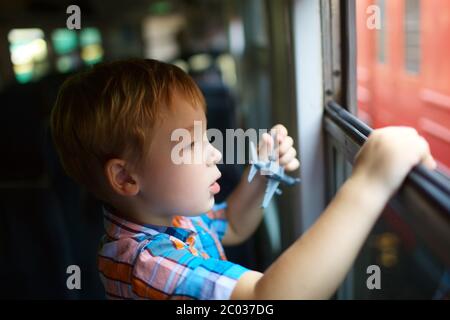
x: 190, y: 128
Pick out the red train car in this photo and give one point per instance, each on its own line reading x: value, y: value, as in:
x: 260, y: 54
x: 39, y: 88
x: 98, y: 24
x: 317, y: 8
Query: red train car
x: 403, y: 68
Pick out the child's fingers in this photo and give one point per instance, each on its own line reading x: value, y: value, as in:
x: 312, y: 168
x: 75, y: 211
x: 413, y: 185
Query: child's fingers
x: 430, y: 163
x: 280, y: 130
x: 265, y: 146
x: 288, y: 157
x: 427, y: 159
x: 293, y: 165
x: 285, y: 145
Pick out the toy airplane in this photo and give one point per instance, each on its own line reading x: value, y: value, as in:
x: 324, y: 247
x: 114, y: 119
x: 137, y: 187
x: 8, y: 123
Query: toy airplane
x: 272, y: 170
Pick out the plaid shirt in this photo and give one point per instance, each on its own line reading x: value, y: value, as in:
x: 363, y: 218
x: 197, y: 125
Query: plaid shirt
x: 186, y: 261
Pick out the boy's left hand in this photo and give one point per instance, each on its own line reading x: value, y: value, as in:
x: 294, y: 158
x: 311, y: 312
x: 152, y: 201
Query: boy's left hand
x: 284, y: 149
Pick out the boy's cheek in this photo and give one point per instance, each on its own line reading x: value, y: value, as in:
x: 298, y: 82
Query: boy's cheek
x: 172, y: 178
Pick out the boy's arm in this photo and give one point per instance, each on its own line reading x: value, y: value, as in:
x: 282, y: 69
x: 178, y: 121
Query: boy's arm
x: 244, y: 211
x: 315, y: 265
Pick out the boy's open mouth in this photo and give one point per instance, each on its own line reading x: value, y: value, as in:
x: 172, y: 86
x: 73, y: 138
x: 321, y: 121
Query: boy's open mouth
x: 215, y: 187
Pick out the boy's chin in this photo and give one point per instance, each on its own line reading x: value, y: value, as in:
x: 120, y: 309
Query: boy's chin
x: 212, y: 201
x: 208, y: 205
x: 202, y: 208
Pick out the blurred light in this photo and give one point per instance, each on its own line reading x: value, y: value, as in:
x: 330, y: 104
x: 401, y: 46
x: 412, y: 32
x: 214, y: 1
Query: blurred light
x: 160, y: 36
x: 64, y: 41
x: 65, y: 64
x: 200, y: 62
x: 90, y: 36
x: 228, y: 69
x: 24, y: 72
x: 91, y: 49
x: 387, y: 243
x: 236, y: 37
x: 24, y: 35
x: 39, y: 48
x: 28, y: 51
x: 92, y: 54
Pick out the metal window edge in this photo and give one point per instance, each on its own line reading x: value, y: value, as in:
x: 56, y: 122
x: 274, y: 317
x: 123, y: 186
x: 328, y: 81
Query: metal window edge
x: 422, y: 200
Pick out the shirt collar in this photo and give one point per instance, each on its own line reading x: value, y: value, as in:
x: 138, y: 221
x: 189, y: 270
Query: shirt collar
x: 117, y: 227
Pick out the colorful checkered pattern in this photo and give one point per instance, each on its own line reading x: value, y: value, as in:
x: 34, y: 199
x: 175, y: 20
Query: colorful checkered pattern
x: 186, y: 261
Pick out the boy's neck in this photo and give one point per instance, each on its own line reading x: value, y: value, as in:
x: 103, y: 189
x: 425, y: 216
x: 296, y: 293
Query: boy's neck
x: 156, y: 220
x: 141, y: 216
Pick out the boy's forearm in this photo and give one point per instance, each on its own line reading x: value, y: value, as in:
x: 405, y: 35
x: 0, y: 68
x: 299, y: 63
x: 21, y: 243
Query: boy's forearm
x: 315, y: 265
x: 244, y: 211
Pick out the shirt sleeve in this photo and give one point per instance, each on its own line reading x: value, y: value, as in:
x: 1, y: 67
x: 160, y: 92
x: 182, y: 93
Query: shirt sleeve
x: 216, y: 219
x: 168, y: 271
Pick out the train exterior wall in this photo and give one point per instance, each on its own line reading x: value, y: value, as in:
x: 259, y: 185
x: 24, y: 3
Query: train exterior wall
x: 389, y: 94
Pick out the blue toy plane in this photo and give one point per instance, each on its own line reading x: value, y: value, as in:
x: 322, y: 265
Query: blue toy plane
x: 272, y: 170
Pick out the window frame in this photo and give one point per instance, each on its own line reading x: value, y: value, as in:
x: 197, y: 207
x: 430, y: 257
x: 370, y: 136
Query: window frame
x: 308, y: 32
x: 424, y: 194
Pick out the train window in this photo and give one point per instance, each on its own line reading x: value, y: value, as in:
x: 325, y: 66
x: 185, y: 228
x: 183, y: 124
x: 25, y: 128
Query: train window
x: 413, y: 88
x: 412, y: 35
x: 28, y: 50
x: 411, y: 240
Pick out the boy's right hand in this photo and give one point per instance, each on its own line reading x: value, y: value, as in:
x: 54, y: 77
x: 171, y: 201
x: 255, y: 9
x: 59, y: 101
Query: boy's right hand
x: 388, y: 155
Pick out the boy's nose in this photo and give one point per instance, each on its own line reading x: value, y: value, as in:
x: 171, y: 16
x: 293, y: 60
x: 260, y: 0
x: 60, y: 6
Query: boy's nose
x: 214, y: 156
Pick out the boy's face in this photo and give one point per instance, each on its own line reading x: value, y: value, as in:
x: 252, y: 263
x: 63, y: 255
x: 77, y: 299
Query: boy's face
x: 180, y: 189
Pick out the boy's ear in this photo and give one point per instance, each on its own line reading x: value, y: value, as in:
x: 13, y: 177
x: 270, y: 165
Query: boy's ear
x: 120, y: 179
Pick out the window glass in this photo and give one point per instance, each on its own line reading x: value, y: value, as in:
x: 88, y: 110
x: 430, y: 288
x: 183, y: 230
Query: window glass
x: 403, y: 69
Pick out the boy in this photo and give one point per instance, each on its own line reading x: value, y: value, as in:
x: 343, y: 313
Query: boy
x: 112, y: 127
